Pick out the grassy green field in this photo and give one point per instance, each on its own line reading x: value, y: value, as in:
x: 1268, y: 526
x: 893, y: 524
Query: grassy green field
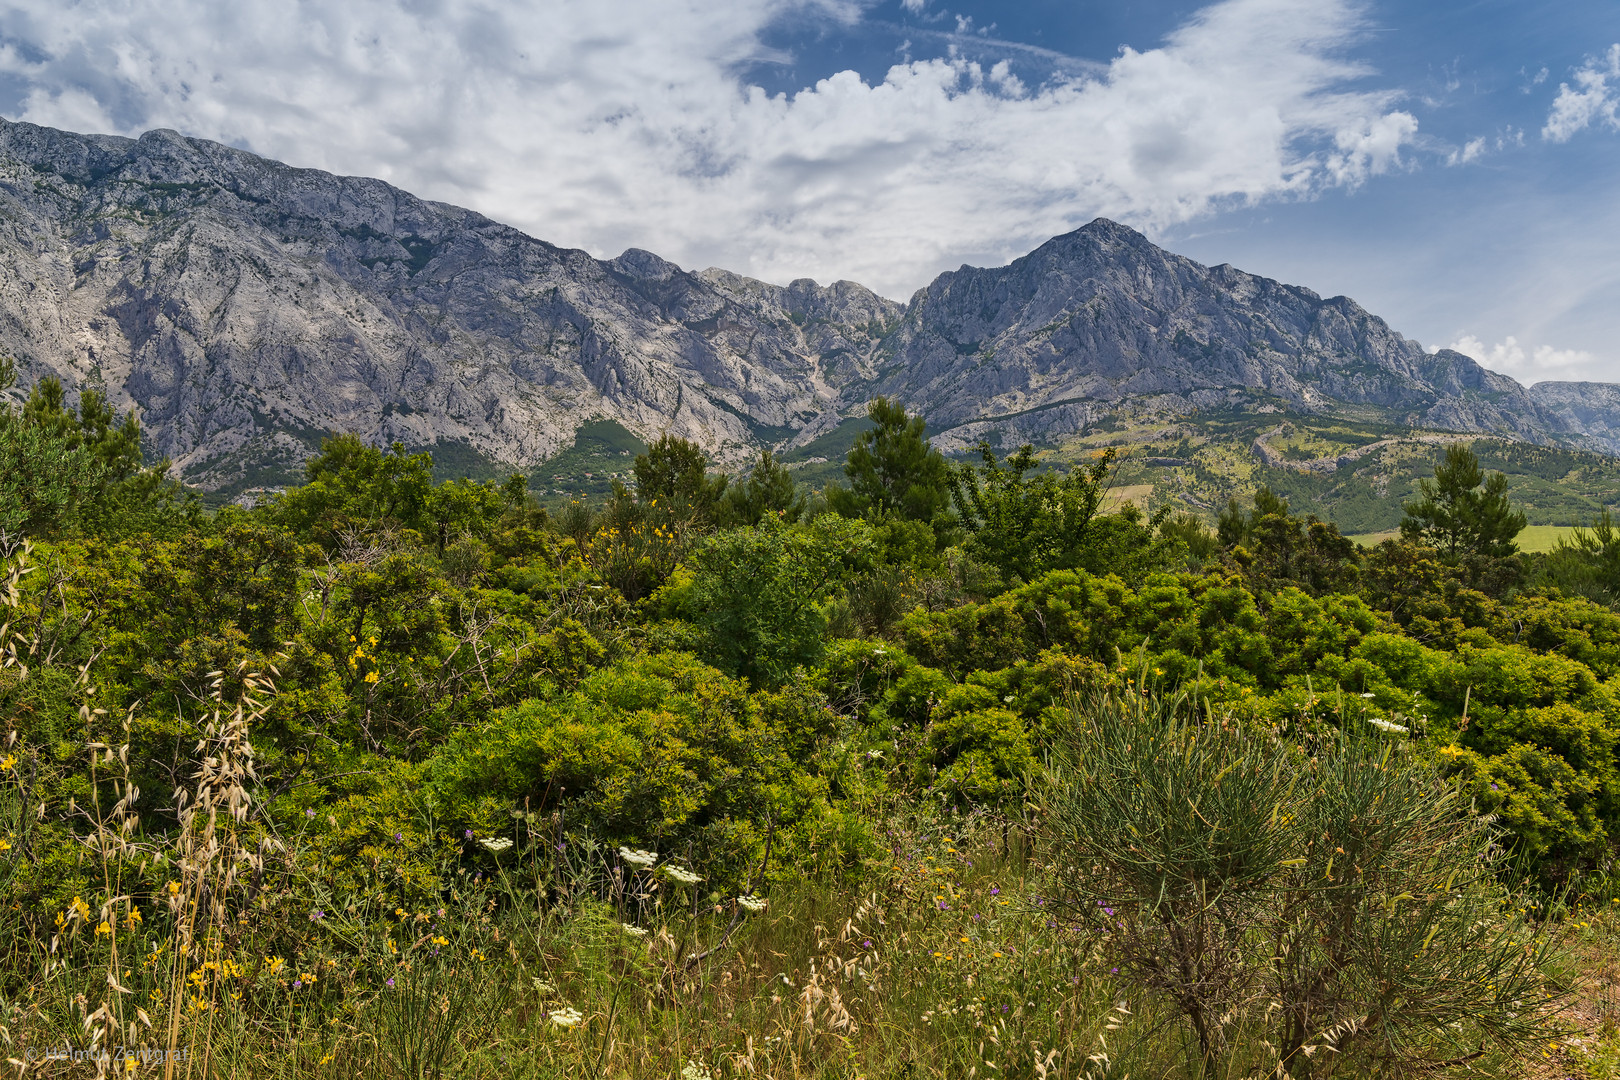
x: 1533, y: 538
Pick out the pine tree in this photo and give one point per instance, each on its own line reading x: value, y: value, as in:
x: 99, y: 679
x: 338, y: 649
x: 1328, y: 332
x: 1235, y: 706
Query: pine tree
x: 1463, y: 511
x: 769, y: 489
x: 893, y: 470
x: 677, y: 471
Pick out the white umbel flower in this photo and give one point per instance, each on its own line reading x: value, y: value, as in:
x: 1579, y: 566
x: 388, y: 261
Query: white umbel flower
x: 496, y: 844
x: 753, y: 903
x: 681, y: 877
x: 634, y: 857
x: 1385, y: 725
x: 566, y: 1018
x: 633, y: 930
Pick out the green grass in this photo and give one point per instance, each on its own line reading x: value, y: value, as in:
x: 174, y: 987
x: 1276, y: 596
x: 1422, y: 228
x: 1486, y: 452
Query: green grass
x: 1544, y: 537
x: 936, y: 959
x: 1533, y: 538
x: 833, y: 446
x: 455, y: 459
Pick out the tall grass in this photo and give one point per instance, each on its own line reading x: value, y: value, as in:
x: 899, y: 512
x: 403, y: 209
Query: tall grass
x: 939, y: 960
x: 947, y: 959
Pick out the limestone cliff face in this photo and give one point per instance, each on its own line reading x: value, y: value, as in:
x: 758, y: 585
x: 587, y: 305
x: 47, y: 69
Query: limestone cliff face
x: 245, y: 308
x: 1587, y: 410
x: 1101, y: 319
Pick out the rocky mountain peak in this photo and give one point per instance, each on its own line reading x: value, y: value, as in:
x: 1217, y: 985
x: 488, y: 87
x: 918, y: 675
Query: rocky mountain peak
x: 245, y: 308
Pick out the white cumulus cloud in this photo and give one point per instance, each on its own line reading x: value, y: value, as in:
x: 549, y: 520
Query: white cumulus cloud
x: 611, y: 123
x: 1528, y: 364
x: 1593, y: 99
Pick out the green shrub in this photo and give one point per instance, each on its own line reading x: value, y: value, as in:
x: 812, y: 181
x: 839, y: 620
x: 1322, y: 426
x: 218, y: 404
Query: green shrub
x: 1335, y: 897
x: 981, y: 755
x: 653, y: 751
x: 755, y: 593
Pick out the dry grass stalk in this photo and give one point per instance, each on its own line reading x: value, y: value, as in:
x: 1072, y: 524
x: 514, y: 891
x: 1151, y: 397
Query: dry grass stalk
x: 211, y: 853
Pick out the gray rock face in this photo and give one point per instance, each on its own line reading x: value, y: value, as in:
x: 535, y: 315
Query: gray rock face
x: 1104, y: 317
x: 1586, y: 409
x: 245, y: 308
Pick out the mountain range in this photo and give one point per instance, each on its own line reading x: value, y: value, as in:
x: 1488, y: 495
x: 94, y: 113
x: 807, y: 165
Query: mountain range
x: 245, y: 308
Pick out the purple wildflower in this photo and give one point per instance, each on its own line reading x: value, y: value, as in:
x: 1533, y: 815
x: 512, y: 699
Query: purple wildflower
x: 390, y: 984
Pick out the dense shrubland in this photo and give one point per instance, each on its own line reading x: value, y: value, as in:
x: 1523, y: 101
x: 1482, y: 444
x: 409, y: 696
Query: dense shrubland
x: 941, y: 769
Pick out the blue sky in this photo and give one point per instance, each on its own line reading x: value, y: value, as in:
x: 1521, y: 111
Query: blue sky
x: 1452, y: 167
x: 1510, y: 247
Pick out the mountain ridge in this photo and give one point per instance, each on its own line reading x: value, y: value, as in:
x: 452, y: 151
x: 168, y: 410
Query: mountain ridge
x: 245, y: 307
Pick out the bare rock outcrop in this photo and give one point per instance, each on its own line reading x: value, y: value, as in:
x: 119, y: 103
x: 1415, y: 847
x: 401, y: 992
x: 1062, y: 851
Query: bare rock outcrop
x: 245, y: 308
